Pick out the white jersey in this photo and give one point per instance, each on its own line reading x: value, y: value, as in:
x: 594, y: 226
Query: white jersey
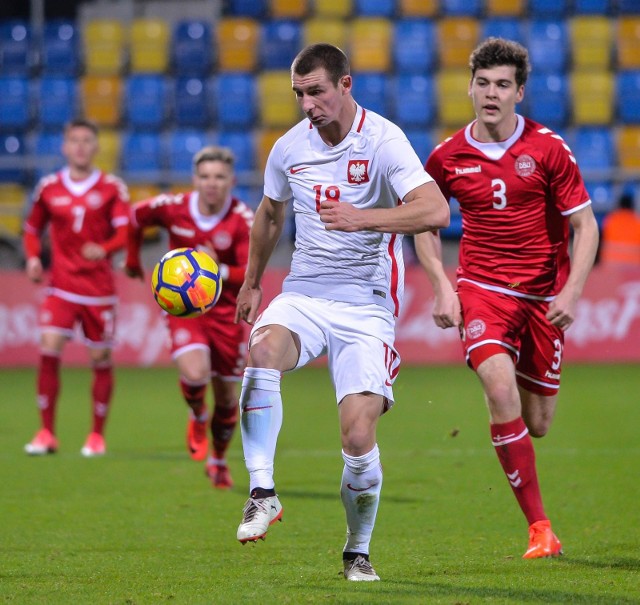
x: 374, y: 166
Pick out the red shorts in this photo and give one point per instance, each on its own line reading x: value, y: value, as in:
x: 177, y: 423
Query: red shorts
x: 499, y: 322
x: 98, y: 322
x: 225, y: 341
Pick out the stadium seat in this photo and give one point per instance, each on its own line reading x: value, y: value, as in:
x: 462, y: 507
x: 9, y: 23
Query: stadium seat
x: 238, y: 44
x: 505, y: 8
x: 321, y: 29
x: 341, y: 9
x: 143, y: 191
x: 47, y: 150
x: 192, y: 48
x: 371, y: 39
x: 182, y: 145
x: 141, y: 156
x: 591, y: 42
x: 504, y: 27
x: 16, y: 53
x: 15, y: 103
x: 414, y: 46
x: 237, y: 100
x: 57, y: 99
x: 628, y: 96
x: 149, y: 43
x: 628, y: 147
x: 104, y: 46
x: 592, y: 7
x: 145, y: 101
x: 12, y: 160
x: 548, y: 44
x: 547, y: 99
x: 630, y: 7
x: 462, y: 8
x: 418, y: 8
x: 248, y: 194
x: 457, y: 37
x: 109, y: 150
x: 248, y: 8
x: 628, y: 42
x: 371, y: 90
x: 374, y: 8
x: 280, y: 42
x: 192, y: 102
x: 265, y: 139
x: 414, y: 100
x: 421, y: 141
x: 277, y: 103
x: 548, y: 9
x: 454, y: 106
x: 101, y: 99
x: 13, y: 199
x: 288, y: 9
x: 60, y: 48
x: 592, y: 97
x: 243, y: 145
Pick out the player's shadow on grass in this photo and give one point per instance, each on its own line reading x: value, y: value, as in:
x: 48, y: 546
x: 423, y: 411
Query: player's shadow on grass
x: 624, y: 563
x: 332, y: 495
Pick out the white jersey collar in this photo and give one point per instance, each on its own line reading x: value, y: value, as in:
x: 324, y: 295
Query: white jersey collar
x: 494, y: 150
x: 206, y: 222
x: 78, y: 188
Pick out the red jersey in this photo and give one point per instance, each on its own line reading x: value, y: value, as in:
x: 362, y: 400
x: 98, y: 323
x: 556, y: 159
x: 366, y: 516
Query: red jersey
x: 515, y: 197
x: 79, y: 212
x: 226, y: 232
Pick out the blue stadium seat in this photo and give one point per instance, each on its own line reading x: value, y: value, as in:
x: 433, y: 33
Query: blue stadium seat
x: 414, y: 100
x: 60, y: 48
x: 182, y: 145
x: 12, y: 164
x: 145, y: 101
x: 421, y: 140
x: 248, y: 8
x: 547, y: 9
x: 192, y: 48
x: 628, y: 96
x: 371, y: 91
x: 46, y: 147
x: 236, y: 94
x: 462, y: 8
x: 414, y: 45
x: 15, y: 105
x: 249, y: 195
x: 16, y: 53
x: 504, y: 27
x: 629, y: 7
x: 243, y: 145
x: 192, y: 102
x: 279, y: 43
x: 548, y: 43
x: 57, y: 100
x: 593, y: 7
x: 374, y: 8
x: 142, y: 157
x: 547, y: 99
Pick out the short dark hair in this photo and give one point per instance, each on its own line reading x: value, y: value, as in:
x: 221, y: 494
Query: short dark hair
x: 325, y: 56
x: 212, y: 153
x: 499, y: 51
x: 81, y: 123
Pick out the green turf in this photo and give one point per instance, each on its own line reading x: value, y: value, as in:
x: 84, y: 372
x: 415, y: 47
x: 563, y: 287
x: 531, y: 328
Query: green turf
x: 143, y: 525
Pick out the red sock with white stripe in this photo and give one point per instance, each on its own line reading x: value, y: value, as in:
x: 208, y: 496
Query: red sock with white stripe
x: 48, y: 389
x: 518, y: 459
x: 101, y: 391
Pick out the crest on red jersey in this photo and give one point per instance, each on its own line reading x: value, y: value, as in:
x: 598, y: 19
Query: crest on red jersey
x: 525, y: 165
x: 475, y: 329
x: 358, y: 171
x: 94, y: 199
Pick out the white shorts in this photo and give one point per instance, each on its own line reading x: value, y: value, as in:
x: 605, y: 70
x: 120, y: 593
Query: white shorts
x: 357, y: 339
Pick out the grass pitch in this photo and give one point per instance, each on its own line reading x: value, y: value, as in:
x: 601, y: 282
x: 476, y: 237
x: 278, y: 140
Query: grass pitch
x: 143, y: 524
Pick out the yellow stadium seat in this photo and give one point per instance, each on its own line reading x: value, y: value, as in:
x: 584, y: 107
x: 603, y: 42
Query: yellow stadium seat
x: 278, y: 106
x: 592, y: 97
x: 371, y: 41
x: 149, y: 40
x: 109, y: 144
x: 628, y: 56
x: 333, y: 8
x: 238, y: 42
x: 266, y: 139
x: 105, y: 47
x: 628, y: 147
x: 101, y: 97
x: 457, y: 37
x: 13, y: 199
x: 591, y: 42
x: 505, y: 8
x: 332, y: 31
x: 418, y: 8
x: 454, y: 106
x: 288, y: 9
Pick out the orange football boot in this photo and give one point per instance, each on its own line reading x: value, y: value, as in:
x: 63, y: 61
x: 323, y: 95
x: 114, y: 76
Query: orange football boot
x: 542, y: 541
x: 197, y: 440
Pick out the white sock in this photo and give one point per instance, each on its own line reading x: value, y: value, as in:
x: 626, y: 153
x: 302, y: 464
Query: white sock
x: 360, y: 492
x: 260, y: 422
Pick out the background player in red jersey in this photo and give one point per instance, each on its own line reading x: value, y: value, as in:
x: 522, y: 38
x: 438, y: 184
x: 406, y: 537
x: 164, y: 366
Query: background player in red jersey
x: 519, y: 190
x: 87, y: 214
x: 210, y: 347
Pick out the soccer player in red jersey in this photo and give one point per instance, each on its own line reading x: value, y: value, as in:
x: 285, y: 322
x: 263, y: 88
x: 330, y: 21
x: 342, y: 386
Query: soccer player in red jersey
x: 210, y: 347
x: 87, y: 214
x: 520, y: 191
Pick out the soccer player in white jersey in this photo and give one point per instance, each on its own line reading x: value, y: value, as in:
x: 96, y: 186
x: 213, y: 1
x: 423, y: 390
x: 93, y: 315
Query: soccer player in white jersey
x: 519, y: 190
x: 356, y: 186
x: 87, y: 214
